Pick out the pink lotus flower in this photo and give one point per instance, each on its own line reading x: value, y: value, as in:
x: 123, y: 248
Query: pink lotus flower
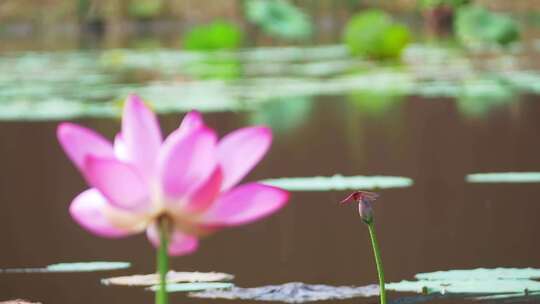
x: 189, y: 177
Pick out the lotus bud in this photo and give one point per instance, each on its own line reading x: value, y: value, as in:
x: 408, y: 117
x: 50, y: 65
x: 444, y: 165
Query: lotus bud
x: 365, y: 204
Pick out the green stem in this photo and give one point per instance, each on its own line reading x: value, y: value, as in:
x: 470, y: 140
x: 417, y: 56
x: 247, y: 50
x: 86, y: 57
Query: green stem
x: 163, y: 261
x: 378, y: 261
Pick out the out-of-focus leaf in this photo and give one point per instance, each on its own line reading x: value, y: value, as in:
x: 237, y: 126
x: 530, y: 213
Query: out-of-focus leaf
x: 172, y: 277
x: 504, y: 177
x: 144, y: 9
x: 218, y: 35
x: 480, y: 274
x: 279, y: 18
x: 374, y: 34
x: 72, y: 267
x: 87, y: 266
x: 427, y: 4
x: 339, y: 182
x: 476, y: 25
x: 187, y: 287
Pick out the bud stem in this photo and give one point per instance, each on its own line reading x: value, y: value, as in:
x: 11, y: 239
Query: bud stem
x: 163, y: 260
x: 378, y: 261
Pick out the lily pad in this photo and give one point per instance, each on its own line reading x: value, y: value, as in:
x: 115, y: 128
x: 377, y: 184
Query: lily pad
x: 493, y: 286
x: 504, y: 177
x: 295, y: 292
x: 481, y: 274
x: 187, y: 287
x: 172, y: 277
x: 72, y: 267
x: 339, y: 182
x: 87, y: 266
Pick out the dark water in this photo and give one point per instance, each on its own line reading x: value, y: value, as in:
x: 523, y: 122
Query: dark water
x: 440, y: 223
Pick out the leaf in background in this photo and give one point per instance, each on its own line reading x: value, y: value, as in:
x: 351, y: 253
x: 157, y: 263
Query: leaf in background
x: 279, y: 18
x: 476, y: 25
x: 72, y: 267
x: 428, y: 4
x: 339, y: 182
x: 187, y: 287
x: 480, y: 274
x: 172, y: 277
x: 87, y: 266
x: 504, y: 177
x: 218, y: 35
x: 144, y: 9
x: 374, y: 34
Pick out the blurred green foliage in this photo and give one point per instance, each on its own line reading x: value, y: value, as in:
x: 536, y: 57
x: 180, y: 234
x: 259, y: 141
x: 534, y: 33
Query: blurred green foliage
x: 427, y: 4
x: 218, y: 35
x: 374, y: 34
x: 145, y: 9
x: 279, y: 18
x: 477, y: 25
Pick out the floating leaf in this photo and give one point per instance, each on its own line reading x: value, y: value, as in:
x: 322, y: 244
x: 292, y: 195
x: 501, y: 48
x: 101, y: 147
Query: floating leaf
x: 503, y: 282
x: 480, y: 274
x: 72, y: 267
x: 186, y: 287
x: 87, y: 266
x: 504, y: 177
x: 172, y: 277
x: 339, y: 182
x: 466, y: 286
x: 295, y: 292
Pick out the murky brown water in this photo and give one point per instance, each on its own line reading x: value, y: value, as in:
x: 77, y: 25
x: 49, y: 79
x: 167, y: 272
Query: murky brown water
x: 439, y: 223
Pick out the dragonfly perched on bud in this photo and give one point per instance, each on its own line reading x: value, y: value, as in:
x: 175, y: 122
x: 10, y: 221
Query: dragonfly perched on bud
x: 365, y: 201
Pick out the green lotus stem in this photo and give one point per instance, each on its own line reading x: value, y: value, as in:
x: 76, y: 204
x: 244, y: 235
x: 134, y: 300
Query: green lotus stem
x: 378, y: 260
x: 163, y: 261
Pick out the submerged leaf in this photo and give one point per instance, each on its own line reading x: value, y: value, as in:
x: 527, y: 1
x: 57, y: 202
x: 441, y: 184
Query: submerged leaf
x: 504, y: 177
x: 172, y: 277
x: 339, y: 182
x: 295, y: 292
x: 186, y: 287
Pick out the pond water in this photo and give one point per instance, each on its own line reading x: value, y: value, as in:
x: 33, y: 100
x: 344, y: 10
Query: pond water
x: 321, y: 127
